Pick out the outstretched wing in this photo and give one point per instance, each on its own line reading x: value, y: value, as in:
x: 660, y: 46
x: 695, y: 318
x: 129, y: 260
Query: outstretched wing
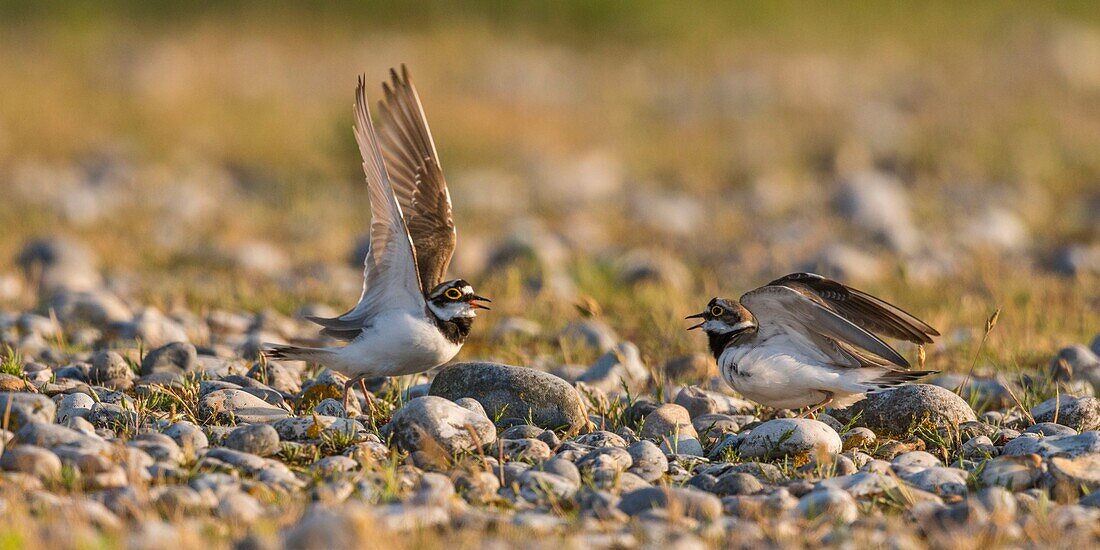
x: 390, y: 277
x: 417, y: 178
x: 861, y: 308
x: 781, y: 309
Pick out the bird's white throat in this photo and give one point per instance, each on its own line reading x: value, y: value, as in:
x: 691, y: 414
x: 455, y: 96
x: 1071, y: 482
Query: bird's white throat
x: 453, y: 310
x: 714, y: 325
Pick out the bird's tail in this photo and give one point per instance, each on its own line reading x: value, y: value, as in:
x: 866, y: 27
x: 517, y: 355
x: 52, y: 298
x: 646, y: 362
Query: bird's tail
x: 896, y: 378
x: 294, y: 353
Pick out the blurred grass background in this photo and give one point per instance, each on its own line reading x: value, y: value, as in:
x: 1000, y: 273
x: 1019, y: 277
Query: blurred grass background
x: 716, y: 133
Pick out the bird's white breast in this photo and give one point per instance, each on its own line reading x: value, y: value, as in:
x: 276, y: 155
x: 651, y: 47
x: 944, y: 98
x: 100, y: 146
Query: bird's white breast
x: 779, y: 373
x: 395, y: 344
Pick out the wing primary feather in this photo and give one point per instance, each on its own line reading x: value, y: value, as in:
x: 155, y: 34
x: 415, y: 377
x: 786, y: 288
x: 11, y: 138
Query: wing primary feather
x: 418, y: 180
x: 861, y: 308
x: 777, y: 305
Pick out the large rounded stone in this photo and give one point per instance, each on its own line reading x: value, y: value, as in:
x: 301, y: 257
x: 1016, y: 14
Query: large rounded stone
x: 238, y: 406
x: 74, y: 405
x: 110, y: 369
x: 33, y: 460
x: 257, y: 439
x: 176, y: 357
x: 1079, y: 413
x: 1081, y: 471
x: 670, y: 425
x: 188, y: 436
x: 648, y: 462
x: 691, y: 502
x: 23, y: 408
x: 1077, y: 362
x: 898, y: 411
x: 316, y: 426
x: 548, y: 401
x: 1060, y: 445
x: 833, y: 503
x: 432, y: 423
x: 789, y: 436
x: 700, y: 402
x: 95, y: 308
x: 1013, y: 472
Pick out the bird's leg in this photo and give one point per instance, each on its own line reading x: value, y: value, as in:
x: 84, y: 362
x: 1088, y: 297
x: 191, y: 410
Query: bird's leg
x: 348, y: 391
x: 828, y: 399
x: 366, y: 395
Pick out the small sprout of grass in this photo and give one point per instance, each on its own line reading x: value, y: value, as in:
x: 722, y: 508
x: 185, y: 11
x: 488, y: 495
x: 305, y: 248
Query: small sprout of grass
x: 774, y: 447
x: 731, y: 454
x: 1057, y: 402
x: 500, y: 414
x: 1016, y: 400
x: 851, y: 423
x: 990, y: 324
x: 336, y: 441
x: 12, y: 363
x: 69, y: 478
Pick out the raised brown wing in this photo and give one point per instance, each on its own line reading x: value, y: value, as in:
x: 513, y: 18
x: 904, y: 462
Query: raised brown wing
x: 413, y: 167
x: 867, y: 311
x: 782, y: 309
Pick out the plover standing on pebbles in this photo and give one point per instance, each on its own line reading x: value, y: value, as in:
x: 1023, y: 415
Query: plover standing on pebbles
x: 807, y: 341
x: 407, y: 320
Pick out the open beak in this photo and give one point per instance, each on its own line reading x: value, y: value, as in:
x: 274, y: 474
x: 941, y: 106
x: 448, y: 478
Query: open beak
x: 474, y: 302
x: 696, y: 316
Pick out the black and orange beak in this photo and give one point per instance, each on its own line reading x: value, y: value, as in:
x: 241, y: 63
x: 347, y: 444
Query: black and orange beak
x: 474, y: 302
x: 696, y: 316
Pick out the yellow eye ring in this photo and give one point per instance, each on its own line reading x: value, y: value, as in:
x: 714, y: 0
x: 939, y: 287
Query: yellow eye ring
x: 717, y: 311
x: 453, y: 294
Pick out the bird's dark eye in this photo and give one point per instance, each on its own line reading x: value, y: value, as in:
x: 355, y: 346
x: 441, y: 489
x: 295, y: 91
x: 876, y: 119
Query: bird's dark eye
x: 453, y: 294
x: 717, y: 311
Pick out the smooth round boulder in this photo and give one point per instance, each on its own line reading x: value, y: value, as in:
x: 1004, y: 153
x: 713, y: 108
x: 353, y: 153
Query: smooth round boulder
x: 670, y: 425
x: 1081, y: 471
x: 110, y: 369
x: 691, y: 502
x: 24, y: 408
x: 257, y: 439
x: 1062, y: 445
x: 174, y: 357
x: 830, y: 502
x: 898, y: 411
x: 548, y: 401
x: 239, y: 406
x: 432, y: 423
x: 74, y: 405
x: 789, y: 436
x: 647, y: 460
x: 1015, y: 473
x: 33, y: 460
x: 1079, y: 413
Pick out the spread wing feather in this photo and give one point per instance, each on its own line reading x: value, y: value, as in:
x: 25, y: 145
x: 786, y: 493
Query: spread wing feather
x: 417, y: 178
x: 779, y: 308
x: 390, y: 276
x: 867, y: 311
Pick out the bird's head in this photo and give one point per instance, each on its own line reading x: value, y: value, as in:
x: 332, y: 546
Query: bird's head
x: 724, y: 317
x: 455, y: 299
